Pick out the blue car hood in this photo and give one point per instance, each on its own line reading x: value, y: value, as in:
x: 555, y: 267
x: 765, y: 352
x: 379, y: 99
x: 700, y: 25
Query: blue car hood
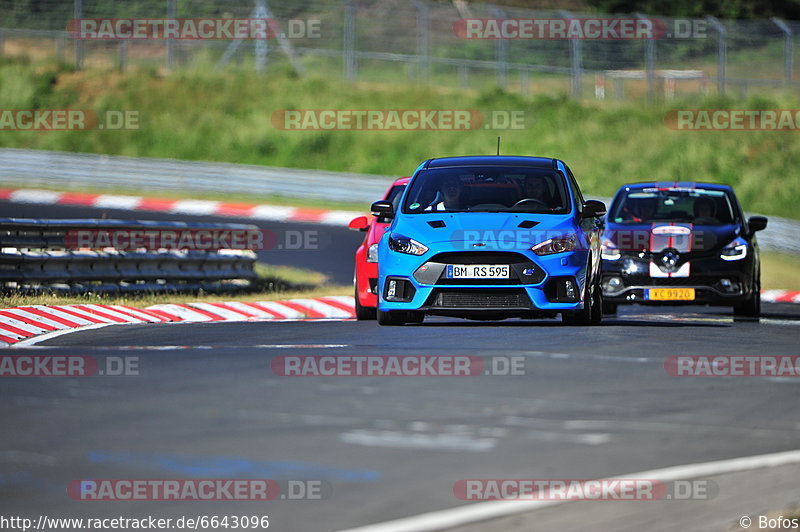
x: 483, y: 226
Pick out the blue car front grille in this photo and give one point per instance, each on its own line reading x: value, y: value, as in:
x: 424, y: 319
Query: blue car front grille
x: 486, y: 298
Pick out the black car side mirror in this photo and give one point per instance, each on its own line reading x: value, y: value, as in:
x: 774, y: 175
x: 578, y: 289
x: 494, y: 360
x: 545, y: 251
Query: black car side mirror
x: 383, y: 209
x: 593, y: 209
x: 756, y: 223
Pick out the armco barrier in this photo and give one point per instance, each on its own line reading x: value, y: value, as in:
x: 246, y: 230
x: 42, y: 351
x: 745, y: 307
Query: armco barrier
x: 42, y: 255
x: 97, y: 172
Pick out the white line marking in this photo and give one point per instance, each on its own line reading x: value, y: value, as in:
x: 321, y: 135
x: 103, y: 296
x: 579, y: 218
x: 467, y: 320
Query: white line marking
x: 25, y: 457
x: 195, y: 207
x: 582, y: 438
x: 272, y: 212
x: 110, y: 201
x: 410, y: 440
x: 34, y: 196
x: 484, y: 511
x: 55, y: 334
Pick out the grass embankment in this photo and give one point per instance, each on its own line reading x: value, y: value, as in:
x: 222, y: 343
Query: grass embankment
x: 226, y: 116
x: 779, y: 271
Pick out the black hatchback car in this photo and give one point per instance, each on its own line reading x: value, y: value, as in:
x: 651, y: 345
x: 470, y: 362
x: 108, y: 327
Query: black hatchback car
x: 680, y: 243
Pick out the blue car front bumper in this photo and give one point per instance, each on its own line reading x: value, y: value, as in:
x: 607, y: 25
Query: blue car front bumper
x: 537, y: 285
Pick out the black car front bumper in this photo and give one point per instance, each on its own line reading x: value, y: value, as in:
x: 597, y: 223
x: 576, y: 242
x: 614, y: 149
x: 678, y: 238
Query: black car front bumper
x: 714, y: 280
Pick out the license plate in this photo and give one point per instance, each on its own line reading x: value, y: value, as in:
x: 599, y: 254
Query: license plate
x: 669, y: 294
x: 477, y: 271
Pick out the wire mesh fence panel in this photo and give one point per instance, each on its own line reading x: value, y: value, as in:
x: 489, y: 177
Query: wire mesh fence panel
x: 457, y: 44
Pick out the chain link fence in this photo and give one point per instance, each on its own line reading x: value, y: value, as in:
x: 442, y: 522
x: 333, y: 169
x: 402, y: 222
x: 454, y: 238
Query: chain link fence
x: 422, y: 41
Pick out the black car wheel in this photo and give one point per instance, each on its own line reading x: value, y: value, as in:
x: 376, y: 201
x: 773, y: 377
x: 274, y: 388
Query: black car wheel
x: 391, y: 317
x: 597, y: 305
x: 591, y: 313
x: 609, y: 308
x: 416, y: 317
x: 752, y: 307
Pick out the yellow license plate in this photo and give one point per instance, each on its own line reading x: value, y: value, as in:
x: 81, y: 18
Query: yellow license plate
x: 670, y: 294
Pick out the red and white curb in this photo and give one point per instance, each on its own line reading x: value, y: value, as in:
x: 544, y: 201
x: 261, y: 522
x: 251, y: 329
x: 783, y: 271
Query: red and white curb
x: 780, y: 296
x: 25, y: 323
x: 274, y: 213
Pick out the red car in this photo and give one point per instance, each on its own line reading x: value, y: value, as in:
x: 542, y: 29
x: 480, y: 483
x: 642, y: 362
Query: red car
x: 365, y: 277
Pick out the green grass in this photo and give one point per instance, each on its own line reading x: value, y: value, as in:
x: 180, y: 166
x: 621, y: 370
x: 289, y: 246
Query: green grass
x: 779, y: 271
x: 226, y: 116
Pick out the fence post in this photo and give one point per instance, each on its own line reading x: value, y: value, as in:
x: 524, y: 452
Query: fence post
x: 261, y: 45
x: 78, y: 14
x: 649, y: 63
x: 788, y: 50
x: 723, y: 52
x: 525, y: 81
x: 500, y: 51
x: 61, y: 43
x: 171, y: 14
x: 463, y: 75
x: 576, y: 57
x: 423, y: 40
x: 123, y: 55
x: 350, y: 65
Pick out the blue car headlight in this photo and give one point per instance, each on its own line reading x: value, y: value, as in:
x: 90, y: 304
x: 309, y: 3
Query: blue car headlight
x: 556, y: 245
x: 409, y: 246
x: 736, y: 250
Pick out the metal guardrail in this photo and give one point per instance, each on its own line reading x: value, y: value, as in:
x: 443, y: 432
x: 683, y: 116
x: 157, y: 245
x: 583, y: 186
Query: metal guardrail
x: 64, y: 170
x: 40, y: 255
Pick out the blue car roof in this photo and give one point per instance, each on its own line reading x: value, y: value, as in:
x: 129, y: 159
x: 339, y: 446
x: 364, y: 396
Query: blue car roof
x: 675, y: 184
x: 492, y: 160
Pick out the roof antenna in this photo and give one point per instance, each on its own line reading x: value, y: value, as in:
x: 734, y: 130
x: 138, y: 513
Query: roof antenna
x: 498, y: 145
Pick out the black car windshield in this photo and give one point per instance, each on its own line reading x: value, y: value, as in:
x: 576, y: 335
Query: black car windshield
x: 691, y: 205
x: 487, y: 189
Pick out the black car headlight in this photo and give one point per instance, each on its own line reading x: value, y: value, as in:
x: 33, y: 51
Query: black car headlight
x: 609, y: 250
x: 409, y: 246
x: 736, y: 250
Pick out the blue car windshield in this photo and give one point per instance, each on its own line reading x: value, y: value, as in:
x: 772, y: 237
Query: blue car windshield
x: 487, y: 189
x: 692, y: 205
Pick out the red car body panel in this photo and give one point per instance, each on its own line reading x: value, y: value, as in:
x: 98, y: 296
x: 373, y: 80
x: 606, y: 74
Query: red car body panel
x: 366, y: 273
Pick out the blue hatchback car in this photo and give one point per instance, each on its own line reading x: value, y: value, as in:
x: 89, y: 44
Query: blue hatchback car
x: 490, y: 237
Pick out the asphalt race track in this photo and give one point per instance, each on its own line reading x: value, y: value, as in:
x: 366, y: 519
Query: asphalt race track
x: 592, y: 402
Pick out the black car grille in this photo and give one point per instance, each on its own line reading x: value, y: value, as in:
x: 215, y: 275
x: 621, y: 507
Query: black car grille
x: 484, y: 298
x: 693, y: 280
